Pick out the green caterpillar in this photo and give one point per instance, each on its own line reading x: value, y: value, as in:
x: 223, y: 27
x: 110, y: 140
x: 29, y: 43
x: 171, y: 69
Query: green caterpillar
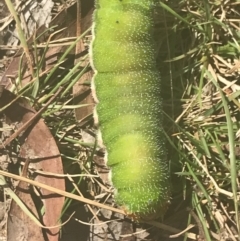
x: 126, y: 88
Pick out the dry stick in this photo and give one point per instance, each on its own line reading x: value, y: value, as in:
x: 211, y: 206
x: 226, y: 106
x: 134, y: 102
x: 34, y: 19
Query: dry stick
x: 25, y: 169
x: 29, y: 122
x: 78, y: 30
x: 190, y: 226
x: 88, y: 201
x: 170, y: 229
x: 60, y: 192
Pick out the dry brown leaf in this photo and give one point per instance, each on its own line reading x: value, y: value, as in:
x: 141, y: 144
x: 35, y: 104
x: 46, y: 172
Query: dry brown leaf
x: 38, y: 146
